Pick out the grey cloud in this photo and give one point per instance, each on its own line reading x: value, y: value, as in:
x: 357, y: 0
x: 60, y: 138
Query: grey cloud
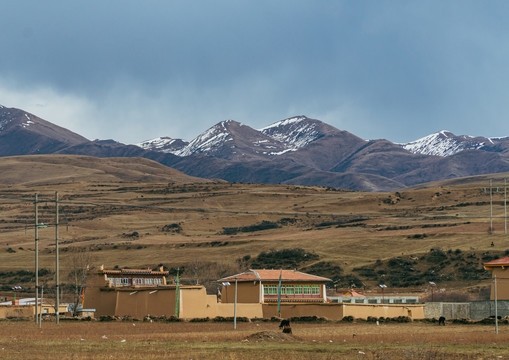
x: 396, y: 69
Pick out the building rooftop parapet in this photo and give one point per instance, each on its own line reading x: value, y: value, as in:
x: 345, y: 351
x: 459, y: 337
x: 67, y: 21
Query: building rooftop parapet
x: 135, y: 272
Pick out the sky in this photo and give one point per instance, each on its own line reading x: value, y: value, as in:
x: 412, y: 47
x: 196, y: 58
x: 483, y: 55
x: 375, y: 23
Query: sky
x: 134, y: 70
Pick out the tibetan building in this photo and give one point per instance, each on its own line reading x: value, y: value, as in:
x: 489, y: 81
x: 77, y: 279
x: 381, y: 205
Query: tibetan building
x: 261, y: 286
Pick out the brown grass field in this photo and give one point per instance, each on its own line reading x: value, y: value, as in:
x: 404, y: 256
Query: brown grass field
x: 123, y: 340
x: 104, y: 201
x: 346, y: 228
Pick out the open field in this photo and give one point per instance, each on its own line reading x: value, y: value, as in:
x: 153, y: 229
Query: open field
x: 96, y: 340
x: 213, y: 229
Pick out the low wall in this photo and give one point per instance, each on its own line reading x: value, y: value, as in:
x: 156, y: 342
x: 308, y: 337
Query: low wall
x: 334, y: 311
x: 484, y: 309
x: 363, y: 311
x: 197, y: 304
x: 21, y: 311
x: 328, y: 311
x: 447, y: 310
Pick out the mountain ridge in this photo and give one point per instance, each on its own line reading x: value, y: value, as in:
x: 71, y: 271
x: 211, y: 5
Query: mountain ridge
x: 298, y: 150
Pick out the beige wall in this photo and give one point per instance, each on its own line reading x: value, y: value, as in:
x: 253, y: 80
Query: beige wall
x: 362, y: 311
x: 197, y: 304
x: 142, y: 303
x: 22, y: 311
x: 329, y: 311
x: 247, y: 292
x: 338, y: 311
x: 27, y: 310
x: 502, y: 284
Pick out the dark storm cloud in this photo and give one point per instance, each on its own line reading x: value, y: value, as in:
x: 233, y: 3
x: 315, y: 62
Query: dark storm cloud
x: 398, y: 69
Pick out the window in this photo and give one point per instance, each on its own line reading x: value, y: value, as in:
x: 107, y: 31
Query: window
x: 265, y: 289
x: 138, y: 281
x: 283, y: 289
x: 290, y: 290
x: 272, y: 289
x: 298, y: 289
x: 316, y: 289
x: 125, y: 281
x: 149, y: 281
x: 307, y: 289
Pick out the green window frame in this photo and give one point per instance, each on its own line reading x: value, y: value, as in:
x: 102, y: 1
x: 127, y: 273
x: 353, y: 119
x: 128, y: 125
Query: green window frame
x: 265, y: 289
x: 298, y: 289
x: 290, y: 290
x: 272, y: 289
x: 316, y: 289
x: 307, y: 289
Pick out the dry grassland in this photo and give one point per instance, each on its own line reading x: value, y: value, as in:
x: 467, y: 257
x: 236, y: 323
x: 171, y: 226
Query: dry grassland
x: 348, y: 228
x: 94, y: 340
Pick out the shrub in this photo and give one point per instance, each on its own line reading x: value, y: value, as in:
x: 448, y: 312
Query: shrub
x: 282, y: 258
x: 264, y: 225
x: 349, y: 319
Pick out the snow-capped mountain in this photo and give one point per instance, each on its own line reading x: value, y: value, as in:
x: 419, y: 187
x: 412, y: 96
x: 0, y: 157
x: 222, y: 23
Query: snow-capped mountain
x: 445, y: 143
x: 163, y: 144
x: 273, y: 140
x: 296, y: 132
x: 298, y: 150
x: 232, y: 140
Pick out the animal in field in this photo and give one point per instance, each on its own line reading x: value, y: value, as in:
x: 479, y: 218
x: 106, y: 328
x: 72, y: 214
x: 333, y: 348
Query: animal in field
x: 285, y: 325
x: 441, y: 321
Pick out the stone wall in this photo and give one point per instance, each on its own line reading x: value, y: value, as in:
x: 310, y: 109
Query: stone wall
x: 486, y: 308
x: 447, y: 310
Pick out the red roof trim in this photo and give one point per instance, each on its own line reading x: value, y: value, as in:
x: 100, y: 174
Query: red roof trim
x: 499, y: 262
x: 273, y: 275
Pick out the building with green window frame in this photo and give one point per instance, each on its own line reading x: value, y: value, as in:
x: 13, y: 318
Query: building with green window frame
x: 261, y: 286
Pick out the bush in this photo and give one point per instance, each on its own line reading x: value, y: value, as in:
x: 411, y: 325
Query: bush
x: 264, y: 225
x: 287, y: 258
x: 206, y: 319
x: 349, y: 319
x: 172, y: 228
x: 308, y: 319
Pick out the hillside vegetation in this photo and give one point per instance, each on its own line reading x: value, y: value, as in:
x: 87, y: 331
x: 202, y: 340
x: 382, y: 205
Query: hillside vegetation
x: 209, y: 230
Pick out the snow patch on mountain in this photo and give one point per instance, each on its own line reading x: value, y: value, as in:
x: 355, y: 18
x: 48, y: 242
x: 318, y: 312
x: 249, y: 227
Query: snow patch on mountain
x: 205, y: 142
x: 444, y: 143
x: 163, y: 144
x: 295, y: 132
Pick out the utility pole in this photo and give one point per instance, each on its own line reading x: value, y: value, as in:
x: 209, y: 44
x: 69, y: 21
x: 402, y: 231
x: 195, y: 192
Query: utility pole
x: 505, y: 206
x: 40, y: 312
x: 496, y: 307
x: 57, y: 280
x: 36, y: 258
x: 235, y: 306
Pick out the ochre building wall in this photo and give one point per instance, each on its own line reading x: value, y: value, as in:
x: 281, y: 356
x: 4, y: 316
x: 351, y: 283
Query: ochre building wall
x: 247, y: 292
x: 502, y: 284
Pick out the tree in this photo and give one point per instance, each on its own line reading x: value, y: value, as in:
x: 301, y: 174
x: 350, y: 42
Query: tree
x: 79, y: 263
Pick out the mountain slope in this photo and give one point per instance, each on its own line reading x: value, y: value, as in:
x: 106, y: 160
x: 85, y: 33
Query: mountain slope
x: 54, y: 169
x: 445, y: 143
x: 22, y: 133
x: 232, y: 140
